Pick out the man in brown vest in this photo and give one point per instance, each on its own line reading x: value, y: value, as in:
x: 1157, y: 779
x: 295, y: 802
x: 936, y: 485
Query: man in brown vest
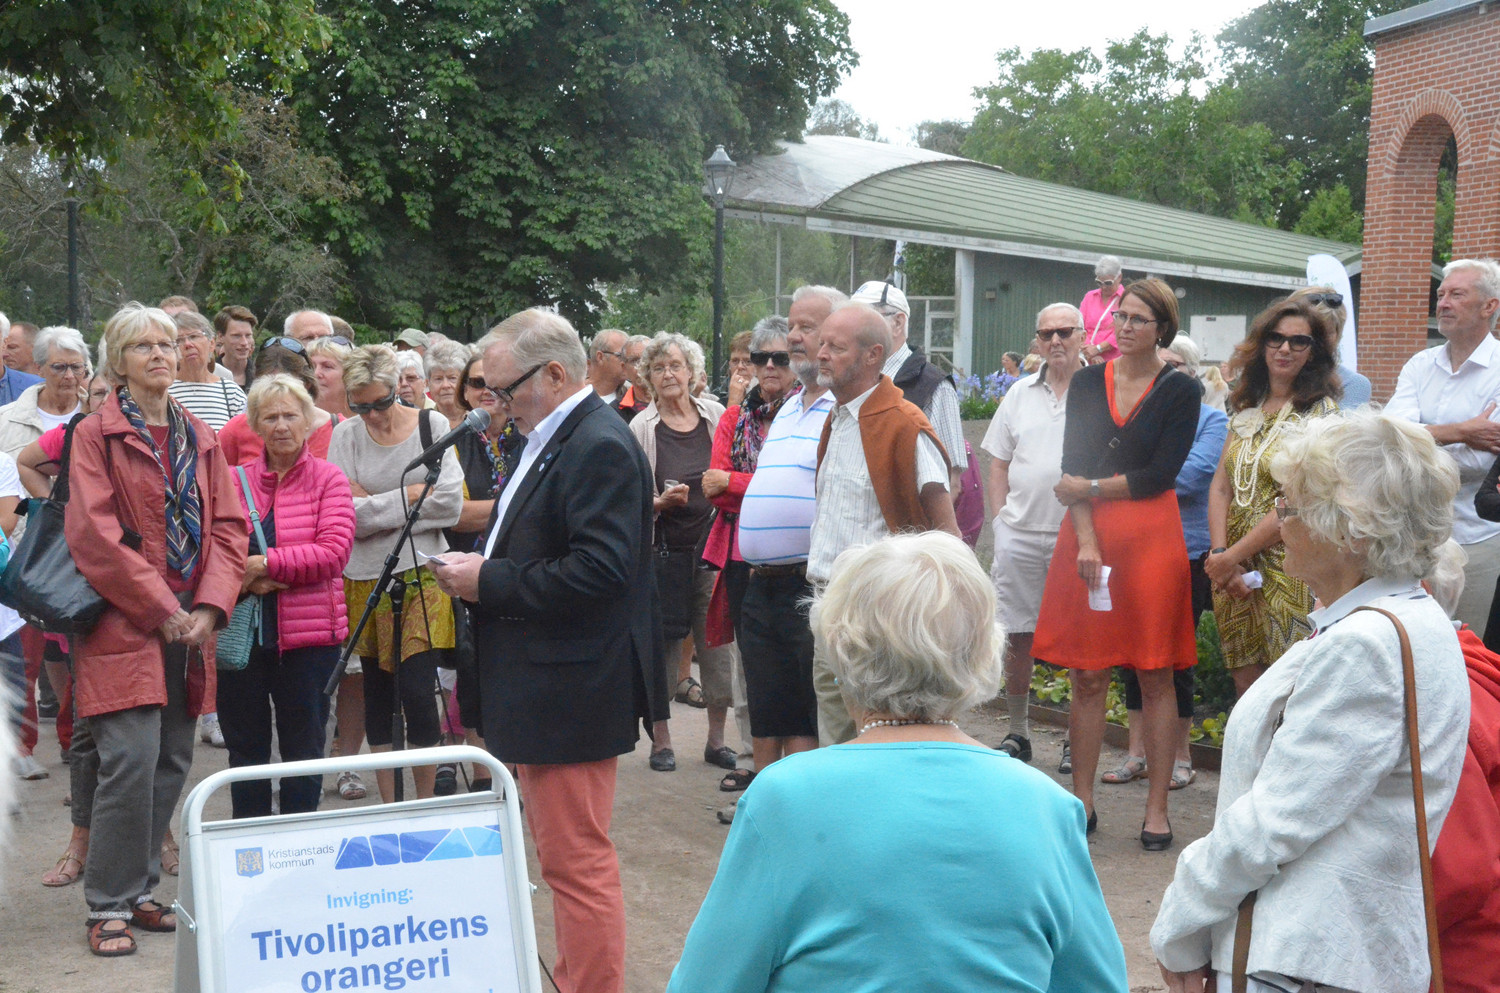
x: 881, y: 469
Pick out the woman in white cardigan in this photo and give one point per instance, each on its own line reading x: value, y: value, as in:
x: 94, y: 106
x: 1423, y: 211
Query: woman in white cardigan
x: 1315, y: 797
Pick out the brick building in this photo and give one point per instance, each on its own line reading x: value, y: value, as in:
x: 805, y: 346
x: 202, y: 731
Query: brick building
x: 1437, y: 75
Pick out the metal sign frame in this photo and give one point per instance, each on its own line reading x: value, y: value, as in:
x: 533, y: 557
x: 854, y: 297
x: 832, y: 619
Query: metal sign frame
x: 200, y: 960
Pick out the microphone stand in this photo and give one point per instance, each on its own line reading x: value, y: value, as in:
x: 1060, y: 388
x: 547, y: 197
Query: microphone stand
x: 384, y: 582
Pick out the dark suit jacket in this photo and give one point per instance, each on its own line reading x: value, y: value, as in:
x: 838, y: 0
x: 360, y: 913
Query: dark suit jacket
x: 567, y: 626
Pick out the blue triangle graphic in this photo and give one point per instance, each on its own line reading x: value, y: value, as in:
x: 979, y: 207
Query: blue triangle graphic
x: 354, y: 853
x: 417, y: 845
x: 453, y: 847
x: 484, y: 840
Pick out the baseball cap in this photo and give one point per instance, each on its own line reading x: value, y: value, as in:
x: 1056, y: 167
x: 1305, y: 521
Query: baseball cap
x: 413, y: 337
x: 878, y: 293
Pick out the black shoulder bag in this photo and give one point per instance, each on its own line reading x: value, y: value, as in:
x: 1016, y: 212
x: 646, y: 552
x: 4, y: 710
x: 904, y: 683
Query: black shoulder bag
x: 41, y: 582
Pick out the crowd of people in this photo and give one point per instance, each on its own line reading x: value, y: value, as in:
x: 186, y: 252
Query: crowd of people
x: 805, y: 544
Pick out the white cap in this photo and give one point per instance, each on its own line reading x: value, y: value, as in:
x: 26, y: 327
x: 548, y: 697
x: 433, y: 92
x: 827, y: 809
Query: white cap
x: 878, y: 293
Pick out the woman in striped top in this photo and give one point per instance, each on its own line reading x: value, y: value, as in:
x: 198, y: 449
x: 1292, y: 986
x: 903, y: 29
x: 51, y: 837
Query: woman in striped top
x: 211, y: 399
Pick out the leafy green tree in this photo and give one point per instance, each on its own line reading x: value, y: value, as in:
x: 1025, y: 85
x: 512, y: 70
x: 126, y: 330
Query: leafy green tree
x: 837, y: 117
x: 1132, y: 124
x: 515, y: 152
x: 942, y: 136
x: 1302, y: 69
x: 79, y: 78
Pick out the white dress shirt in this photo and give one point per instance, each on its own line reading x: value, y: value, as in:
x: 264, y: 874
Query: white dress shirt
x: 535, y: 442
x: 847, y: 511
x: 1027, y: 432
x: 1431, y: 391
x: 942, y: 410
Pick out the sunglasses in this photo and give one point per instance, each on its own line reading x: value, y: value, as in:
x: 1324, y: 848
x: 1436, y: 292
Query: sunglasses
x: 281, y: 341
x: 1061, y: 334
x: 339, y: 339
x: 475, y: 383
x: 384, y: 403
x: 1325, y: 299
x: 505, y: 394
x: 782, y: 359
x: 1298, y: 342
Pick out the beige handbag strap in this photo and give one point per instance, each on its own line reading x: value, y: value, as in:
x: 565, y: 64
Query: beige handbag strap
x: 1238, y: 981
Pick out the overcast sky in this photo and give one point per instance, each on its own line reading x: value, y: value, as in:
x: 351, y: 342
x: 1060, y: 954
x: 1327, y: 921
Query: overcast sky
x: 921, y: 61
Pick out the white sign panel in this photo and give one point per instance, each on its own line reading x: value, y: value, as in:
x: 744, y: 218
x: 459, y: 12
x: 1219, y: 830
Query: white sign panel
x: 1217, y: 334
x: 417, y: 903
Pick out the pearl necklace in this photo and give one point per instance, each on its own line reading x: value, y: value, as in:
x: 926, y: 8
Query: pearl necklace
x: 900, y: 723
x: 1245, y: 472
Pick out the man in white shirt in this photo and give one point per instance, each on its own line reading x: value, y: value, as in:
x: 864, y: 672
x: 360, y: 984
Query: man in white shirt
x: 881, y: 470
x: 1453, y: 390
x: 922, y: 382
x: 1026, y: 440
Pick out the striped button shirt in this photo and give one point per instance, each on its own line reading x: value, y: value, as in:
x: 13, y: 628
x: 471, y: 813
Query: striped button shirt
x: 848, y: 511
x: 776, y: 514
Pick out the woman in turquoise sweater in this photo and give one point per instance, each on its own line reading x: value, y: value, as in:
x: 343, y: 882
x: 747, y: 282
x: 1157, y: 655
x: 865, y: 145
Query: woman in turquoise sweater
x: 967, y: 870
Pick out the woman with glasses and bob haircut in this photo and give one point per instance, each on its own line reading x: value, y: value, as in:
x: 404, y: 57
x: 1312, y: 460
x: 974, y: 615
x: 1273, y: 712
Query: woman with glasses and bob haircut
x: 155, y: 526
x: 1288, y: 372
x: 1130, y: 425
x: 374, y: 448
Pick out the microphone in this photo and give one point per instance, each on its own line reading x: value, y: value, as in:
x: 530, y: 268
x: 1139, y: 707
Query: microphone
x: 476, y: 420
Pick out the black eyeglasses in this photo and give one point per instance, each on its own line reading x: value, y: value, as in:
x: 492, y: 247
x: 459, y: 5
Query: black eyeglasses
x: 505, y: 394
x: 783, y: 359
x: 384, y: 403
x: 282, y: 341
x: 1325, y: 299
x: 1134, y: 321
x: 1298, y: 342
x: 1061, y: 334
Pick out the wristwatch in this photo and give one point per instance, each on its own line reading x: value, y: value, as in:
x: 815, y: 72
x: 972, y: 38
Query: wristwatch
x: 1093, y: 487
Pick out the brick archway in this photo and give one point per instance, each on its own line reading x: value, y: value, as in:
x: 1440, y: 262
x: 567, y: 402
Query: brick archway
x: 1437, y: 75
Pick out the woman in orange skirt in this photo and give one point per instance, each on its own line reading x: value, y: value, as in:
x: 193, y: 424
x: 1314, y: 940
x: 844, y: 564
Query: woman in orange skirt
x: 1130, y: 425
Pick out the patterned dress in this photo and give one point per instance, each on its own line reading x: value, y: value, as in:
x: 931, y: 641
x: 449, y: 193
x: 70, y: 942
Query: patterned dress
x: 1257, y: 630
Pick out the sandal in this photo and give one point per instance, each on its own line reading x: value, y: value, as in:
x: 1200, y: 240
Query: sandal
x: 691, y: 693
x: 1183, y: 774
x: 152, y: 916
x: 60, y: 875
x: 171, y: 858
x: 736, y: 780
x: 99, y: 934
x: 1133, y: 768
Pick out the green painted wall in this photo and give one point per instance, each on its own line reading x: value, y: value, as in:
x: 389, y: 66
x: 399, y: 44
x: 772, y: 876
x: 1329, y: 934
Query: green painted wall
x: 1021, y: 287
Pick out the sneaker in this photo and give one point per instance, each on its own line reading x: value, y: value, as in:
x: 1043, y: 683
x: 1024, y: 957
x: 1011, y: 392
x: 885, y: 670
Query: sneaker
x: 446, y: 782
x: 1066, y: 765
x: 208, y: 730
x: 1017, y: 746
x: 27, y: 767
x: 351, y: 787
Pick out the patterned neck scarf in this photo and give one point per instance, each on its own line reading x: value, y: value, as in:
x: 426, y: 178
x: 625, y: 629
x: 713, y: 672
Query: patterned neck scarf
x: 755, y: 419
x: 496, y: 451
x: 179, y: 466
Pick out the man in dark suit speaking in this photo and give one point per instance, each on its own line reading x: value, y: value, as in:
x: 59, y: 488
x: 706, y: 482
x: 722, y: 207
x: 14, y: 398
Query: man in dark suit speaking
x: 565, y: 626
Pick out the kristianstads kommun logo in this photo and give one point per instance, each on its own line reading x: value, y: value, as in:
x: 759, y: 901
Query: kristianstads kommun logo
x: 249, y: 861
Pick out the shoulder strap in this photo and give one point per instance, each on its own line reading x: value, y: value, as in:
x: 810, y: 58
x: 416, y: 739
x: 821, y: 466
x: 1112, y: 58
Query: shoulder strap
x: 424, y: 429
x: 260, y: 535
x: 1429, y: 902
x: 60, y: 484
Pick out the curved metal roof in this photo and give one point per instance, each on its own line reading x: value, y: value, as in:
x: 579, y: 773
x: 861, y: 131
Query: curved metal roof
x: 941, y: 199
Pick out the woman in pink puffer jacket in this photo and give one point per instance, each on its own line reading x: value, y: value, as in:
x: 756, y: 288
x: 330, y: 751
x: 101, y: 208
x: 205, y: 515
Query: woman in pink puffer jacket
x: 307, y: 515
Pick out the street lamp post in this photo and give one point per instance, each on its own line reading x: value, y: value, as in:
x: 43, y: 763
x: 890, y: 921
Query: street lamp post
x: 720, y: 170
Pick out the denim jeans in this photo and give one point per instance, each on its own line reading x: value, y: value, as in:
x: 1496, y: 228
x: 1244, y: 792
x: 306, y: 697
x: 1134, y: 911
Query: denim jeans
x: 286, y: 688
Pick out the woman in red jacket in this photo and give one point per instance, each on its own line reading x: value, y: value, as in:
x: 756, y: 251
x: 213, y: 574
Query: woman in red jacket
x: 307, y: 516
x: 154, y: 526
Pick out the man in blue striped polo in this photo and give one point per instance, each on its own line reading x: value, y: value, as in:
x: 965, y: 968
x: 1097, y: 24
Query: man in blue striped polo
x: 775, y: 640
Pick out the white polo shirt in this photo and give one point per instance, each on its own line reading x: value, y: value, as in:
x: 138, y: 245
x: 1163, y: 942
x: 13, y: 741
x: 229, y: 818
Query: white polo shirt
x: 1027, y: 432
x: 1431, y: 391
x: 848, y: 511
x: 776, y: 514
